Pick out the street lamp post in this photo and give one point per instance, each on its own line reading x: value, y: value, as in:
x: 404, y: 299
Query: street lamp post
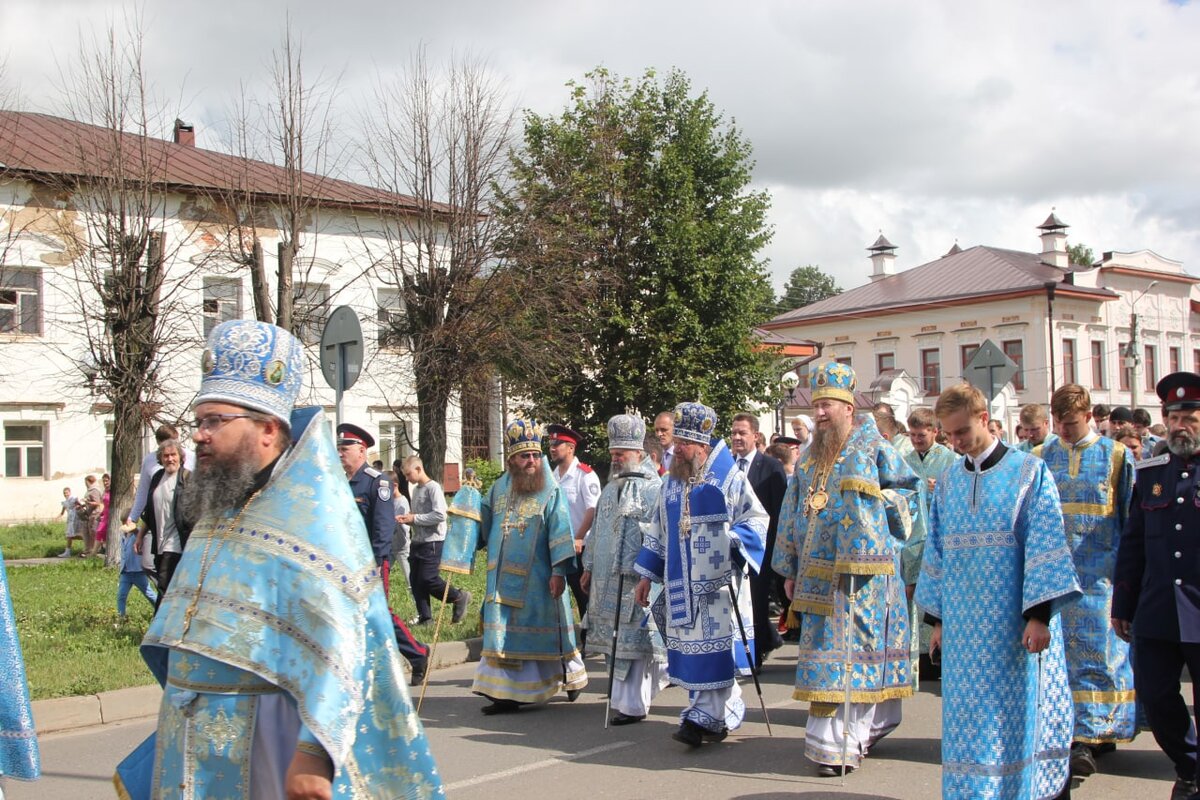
x: 1133, y: 357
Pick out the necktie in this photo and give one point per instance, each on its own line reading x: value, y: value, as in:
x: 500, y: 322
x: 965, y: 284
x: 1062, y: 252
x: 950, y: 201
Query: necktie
x: 742, y: 463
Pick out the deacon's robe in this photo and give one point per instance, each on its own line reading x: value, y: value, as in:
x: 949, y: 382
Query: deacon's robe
x: 1095, y: 482
x: 18, y: 738
x: 996, y: 550
x: 937, y: 459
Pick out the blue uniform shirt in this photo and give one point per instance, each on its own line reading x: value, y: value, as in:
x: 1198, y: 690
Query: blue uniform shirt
x: 373, y: 493
x: 1157, y: 579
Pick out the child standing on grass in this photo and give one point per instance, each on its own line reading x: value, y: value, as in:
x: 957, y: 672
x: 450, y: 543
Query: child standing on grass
x: 133, y: 573
x: 70, y: 509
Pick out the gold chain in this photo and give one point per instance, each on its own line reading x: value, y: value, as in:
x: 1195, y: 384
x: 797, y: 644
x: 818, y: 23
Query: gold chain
x: 206, y: 564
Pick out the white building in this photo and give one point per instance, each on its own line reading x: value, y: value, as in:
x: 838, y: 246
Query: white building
x: 909, y: 333
x: 57, y: 422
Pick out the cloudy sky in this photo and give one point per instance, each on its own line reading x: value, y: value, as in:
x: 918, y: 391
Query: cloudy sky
x: 932, y: 121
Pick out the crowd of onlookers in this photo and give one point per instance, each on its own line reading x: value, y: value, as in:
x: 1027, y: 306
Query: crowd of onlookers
x: 87, y: 516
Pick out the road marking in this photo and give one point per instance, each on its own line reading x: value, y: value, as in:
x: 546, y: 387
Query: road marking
x: 548, y: 762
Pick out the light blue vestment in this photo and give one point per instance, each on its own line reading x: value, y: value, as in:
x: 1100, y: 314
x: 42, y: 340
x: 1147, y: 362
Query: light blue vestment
x: 858, y: 535
x: 622, y: 519
x: 289, y: 647
x: 528, y: 539
x: 996, y: 548
x: 937, y: 459
x: 18, y: 738
x: 696, y: 564
x: 1095, y: 482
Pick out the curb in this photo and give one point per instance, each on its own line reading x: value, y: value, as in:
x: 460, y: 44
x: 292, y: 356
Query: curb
x: 63, y: 714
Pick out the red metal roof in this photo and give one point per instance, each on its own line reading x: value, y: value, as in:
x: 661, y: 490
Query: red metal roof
x: 43, y: 145
x: 976, y: 273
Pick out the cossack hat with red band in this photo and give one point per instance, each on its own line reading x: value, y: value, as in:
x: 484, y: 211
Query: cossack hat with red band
x: 566, y: 434
x: 352, y: 434
x: 1179, y: 391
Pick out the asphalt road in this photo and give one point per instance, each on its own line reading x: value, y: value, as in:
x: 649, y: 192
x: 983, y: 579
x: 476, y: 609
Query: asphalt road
x: 563, y: 748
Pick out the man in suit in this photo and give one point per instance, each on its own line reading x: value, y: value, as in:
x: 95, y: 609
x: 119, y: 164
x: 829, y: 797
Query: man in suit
x: 1156, y: 583
x: 664, y: 431
x: 769, y: 481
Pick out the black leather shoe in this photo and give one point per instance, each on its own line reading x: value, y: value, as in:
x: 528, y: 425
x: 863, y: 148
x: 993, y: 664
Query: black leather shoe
x: 831, y: 771
x: 715, y: 736
x: 573, y: 695
x: 501, y: 707
x: 1083, y: 763
x: 418, y: 672
x: 625, y: 719
x: 1183, y: 790
x: 689, y: 733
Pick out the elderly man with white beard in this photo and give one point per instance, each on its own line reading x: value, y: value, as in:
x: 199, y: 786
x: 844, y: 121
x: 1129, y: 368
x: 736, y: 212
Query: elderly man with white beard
x: 706, y: 530
x: 838, y: 549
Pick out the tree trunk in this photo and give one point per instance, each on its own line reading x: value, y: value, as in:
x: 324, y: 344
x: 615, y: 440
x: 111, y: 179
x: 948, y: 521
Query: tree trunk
x: 126, y: 462
x: 258, y: 280
x: 284, y: 319
x: 432, y: 398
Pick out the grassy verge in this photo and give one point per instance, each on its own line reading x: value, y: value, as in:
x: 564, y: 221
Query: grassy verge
x: 34, y: 540
x: 74, y: 644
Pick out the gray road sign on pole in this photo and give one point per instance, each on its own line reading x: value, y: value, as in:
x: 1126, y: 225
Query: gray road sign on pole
x: 341, y: 352
x: 989, y: 369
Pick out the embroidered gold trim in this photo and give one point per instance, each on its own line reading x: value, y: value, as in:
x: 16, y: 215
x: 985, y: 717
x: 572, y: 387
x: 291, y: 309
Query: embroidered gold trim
x: 1119, y: 696
x: 861, y: 486
x: 837, y: 697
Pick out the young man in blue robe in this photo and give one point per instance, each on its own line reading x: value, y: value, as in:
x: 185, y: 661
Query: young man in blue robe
x: 707, y: 529
x: 529, y: 651
x: 1095, y: 480
x: 841, y: 531
x: 274, y: 643
x: 995, y: 577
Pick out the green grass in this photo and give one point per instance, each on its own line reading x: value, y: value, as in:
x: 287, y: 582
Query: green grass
x: 74, y: 644
x: 35, y: 540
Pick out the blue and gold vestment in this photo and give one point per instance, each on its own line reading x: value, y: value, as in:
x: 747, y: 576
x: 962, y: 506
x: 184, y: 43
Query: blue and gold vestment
x: 1095, y: 482
x: 18, y: 738
x: 854, y: 536
x: 275, y: 637
x: 996, y: 549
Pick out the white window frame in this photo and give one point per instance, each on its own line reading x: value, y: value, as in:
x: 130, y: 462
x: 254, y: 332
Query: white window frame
x: 221, y: 301
x: 24, y: 447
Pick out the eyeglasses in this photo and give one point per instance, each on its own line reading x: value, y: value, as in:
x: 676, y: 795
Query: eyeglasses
x: 529, y: 455
x: 211, y: 422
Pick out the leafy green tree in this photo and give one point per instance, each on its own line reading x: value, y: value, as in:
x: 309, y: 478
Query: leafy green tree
x: 805, y: 286
x: 1081, y: 255
x: 643, y: 187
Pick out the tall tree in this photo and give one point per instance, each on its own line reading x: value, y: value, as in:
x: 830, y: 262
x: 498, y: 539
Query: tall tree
x: 441, y: 135
x: 643, y: 187
x: 806, y: 285
x: 111, y: 219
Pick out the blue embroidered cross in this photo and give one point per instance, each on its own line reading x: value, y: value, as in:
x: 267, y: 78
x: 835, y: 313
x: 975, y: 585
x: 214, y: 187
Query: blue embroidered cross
x: 703, y: 545
x: 709, y: 626
x: 716, y: 558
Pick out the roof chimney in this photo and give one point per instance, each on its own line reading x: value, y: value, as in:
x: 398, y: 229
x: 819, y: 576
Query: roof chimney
x: 883, y: 258
x: 1054, y: 242
x: 184, y: 134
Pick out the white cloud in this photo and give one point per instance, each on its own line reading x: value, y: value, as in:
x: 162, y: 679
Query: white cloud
x: 930, y: 119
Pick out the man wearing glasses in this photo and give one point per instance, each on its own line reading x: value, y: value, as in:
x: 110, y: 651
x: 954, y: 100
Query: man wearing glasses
x: 274, y: 643
x: 529, y: 651
x: 582, y: 488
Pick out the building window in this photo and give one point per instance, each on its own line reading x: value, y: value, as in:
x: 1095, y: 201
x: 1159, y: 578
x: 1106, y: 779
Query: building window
x: 310, y: 310
x: 1098, y: 366
x: 21, y: 301
x: 967, y: 352
x: 24, y: 445
x: 1123, y: 356
x: 1176, y: 357
x: 222, y: 302
x: 389, y: 313
x: 1196, y: 361
x: 847, y: 360
x: 1068, y: 350
x: 1015, y: 349
x: 394, y: 442
x: 931, y: 371
x: 1150, y: 367
x: 884, y: 362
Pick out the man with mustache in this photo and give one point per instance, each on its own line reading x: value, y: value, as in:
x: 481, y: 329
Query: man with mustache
x: 274, y: 643
x: 841, y: 531
x: 1156, y: 584
x: 706, y: 529
x: 529, y: 653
